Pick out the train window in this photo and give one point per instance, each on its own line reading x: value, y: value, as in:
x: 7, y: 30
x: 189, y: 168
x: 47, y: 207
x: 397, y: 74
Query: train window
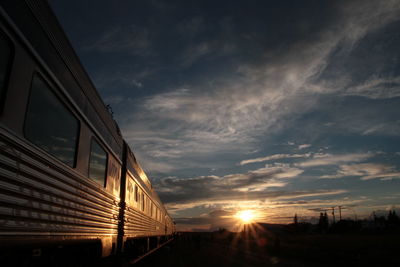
x: 142, y: 201
x: 6, y: 52
x: 136, y: 193
x: 129, y: 190
x: 49, y: 124
x: 97, y: 163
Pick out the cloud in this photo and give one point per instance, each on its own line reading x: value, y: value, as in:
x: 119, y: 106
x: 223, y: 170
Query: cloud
x: 219, y: 213
x: 328, y: 159
x: 366, y: 171
x: 251, y: 181
x: 191, y: 27
x: 128, y: 38
x: 229, y: 109
x: 303, y: 146
x: 116, y: 85
x: 377, y: 88
x: 195, y: 52
x: 264, y: 184
x: 274, y: 157
x: 248, y: 200
x: 215, y: 219
x: 317, y: 159
x: 384, y: 128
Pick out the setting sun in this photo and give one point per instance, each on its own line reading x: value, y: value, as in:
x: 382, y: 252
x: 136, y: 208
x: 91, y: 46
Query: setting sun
x: 245, y: 216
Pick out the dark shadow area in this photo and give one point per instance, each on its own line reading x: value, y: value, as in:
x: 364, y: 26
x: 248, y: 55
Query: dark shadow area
x: 283, y: 245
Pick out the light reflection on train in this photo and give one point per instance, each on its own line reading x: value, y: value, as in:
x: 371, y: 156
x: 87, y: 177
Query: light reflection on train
x: 67, y: 177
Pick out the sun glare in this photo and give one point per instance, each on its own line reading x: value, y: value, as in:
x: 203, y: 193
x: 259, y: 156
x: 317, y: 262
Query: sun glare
x: 245, y: 216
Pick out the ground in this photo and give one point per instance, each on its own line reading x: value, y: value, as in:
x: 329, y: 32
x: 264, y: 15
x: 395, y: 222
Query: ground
x: 228, y: 249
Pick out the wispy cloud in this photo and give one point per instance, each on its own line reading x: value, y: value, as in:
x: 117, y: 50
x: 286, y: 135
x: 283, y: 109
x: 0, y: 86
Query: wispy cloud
x: 128, y: 38
x: 377, y: 88
x: 328, y: 159
x: 366, y: 171
x: 317, y: 159
x: 391, y: 128
x: 221, y: 112
x: 275, y: 157
x: 260, y: 185
x: 191, y: 27
x: 303, y: 146
x: 247, y: 200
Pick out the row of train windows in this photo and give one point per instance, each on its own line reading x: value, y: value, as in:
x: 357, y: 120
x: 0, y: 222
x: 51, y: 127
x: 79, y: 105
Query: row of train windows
x: 48, y: 122
x: 153, y: 210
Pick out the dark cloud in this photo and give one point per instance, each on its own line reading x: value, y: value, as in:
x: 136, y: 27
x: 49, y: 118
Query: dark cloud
x: 214, y: 220
x: 214, y: 217
x: 252, y: 185
x: 260, y: 184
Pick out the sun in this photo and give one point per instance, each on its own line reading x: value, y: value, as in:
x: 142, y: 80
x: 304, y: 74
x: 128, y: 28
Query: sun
x: 245, y: 216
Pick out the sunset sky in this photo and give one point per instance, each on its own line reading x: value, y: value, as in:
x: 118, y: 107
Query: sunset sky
x: 275, y: 106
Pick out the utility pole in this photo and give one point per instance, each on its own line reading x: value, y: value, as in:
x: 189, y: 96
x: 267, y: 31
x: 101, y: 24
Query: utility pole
x: 333, y: 211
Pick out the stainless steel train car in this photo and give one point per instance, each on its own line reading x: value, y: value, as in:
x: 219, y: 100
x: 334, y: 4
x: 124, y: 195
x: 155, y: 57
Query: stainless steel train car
x: 68, y: 179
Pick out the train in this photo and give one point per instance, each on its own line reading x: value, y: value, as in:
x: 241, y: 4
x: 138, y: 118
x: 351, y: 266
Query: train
x: 68, y: 179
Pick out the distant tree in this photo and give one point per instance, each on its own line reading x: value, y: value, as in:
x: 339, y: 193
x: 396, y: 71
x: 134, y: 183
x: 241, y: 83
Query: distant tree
x: 222, y: 230
x: 380, y: 221
x: 323, y: 223
x: 295, y: 221
x: 393, y: 219
x: 321, y: 219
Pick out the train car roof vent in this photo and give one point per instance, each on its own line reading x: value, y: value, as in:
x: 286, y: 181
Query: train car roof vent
x: 109, y: 109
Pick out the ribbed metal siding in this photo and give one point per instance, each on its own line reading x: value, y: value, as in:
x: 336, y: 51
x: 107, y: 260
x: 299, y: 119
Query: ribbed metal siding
x: 136, y: 222
x: 37, y: 198
x: 139, y: 224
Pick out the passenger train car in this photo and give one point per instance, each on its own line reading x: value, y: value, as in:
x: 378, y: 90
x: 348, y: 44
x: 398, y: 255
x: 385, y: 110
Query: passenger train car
x: 68, y: 179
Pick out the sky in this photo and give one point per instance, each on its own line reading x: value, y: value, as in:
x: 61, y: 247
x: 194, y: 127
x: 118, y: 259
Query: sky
x: 279, y: 107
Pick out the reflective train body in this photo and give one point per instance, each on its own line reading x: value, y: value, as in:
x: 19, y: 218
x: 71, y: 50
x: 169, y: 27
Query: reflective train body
x: 67, y: 177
